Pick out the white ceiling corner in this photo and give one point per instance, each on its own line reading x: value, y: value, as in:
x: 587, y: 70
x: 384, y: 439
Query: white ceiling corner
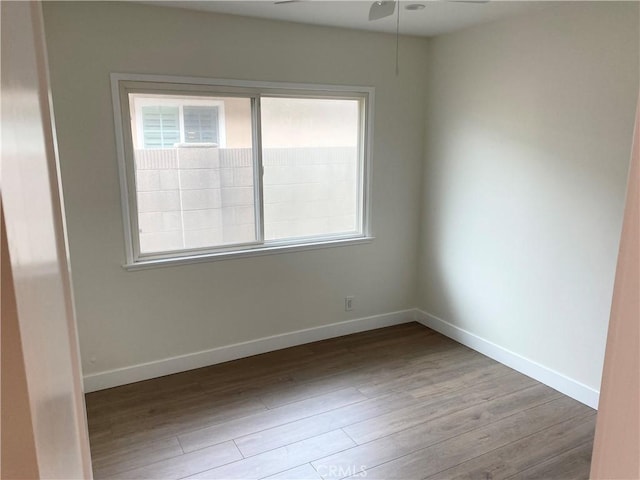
x: 439, y: 16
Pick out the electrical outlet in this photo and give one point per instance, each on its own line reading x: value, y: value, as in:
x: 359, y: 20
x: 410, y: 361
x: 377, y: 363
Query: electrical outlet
x: 348, y: 304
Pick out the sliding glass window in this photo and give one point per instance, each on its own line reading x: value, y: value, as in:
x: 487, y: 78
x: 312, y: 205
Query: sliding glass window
x: 214, y: 168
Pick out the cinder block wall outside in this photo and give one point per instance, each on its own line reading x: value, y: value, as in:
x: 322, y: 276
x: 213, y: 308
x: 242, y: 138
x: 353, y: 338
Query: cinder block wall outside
x: 193, y: 197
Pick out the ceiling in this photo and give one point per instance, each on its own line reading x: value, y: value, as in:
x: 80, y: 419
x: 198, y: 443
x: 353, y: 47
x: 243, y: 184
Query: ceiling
x: 438, y: 16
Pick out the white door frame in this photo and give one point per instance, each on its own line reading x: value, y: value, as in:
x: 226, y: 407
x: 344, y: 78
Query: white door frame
x: 38, y: 267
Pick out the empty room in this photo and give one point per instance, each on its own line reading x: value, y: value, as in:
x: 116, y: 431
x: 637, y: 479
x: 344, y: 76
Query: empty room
x: 320, y: 240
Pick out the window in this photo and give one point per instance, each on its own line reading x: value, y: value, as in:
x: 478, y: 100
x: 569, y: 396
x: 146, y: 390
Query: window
x: 213, y: 168
x: 165, y: 121
x: 160, y: 126
x: 200, y: 124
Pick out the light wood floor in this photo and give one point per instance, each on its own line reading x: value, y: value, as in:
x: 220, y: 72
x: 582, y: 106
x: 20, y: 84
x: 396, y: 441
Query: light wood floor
x: 396, y: 403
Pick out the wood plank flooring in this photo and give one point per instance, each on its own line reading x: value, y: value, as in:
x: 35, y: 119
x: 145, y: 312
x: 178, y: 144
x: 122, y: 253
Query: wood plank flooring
x: 401, y: 402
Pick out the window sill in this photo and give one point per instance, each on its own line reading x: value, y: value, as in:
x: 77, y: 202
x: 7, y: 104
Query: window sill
x: 254, y: 252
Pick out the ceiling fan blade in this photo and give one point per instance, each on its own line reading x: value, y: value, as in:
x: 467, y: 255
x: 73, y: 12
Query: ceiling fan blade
x: 382, y: 9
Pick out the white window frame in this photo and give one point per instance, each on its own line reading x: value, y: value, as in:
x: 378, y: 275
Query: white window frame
x: 122, y: 84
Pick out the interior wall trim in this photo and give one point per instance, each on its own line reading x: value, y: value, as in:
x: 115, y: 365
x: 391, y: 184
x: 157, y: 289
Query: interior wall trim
x: 144, y: 371
x: 549, y: 377
x: 182, y: 363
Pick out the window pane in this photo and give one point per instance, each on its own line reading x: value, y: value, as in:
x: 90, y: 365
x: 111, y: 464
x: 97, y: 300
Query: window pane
x: 192, y: 192
x: 201, y: 124
x: 161, y: 126
x: 311, y: 159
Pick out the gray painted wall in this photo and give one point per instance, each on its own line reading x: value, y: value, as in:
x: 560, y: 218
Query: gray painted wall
x: 127, y: 318
x: 528, y: 142
x: 499, y: 165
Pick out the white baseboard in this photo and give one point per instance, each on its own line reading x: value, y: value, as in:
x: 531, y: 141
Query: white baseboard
x: 553, y: 379
x: 182, y: 363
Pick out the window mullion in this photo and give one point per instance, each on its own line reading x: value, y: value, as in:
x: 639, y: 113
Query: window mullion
x: 258, y: 169
x: 181, y: 123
